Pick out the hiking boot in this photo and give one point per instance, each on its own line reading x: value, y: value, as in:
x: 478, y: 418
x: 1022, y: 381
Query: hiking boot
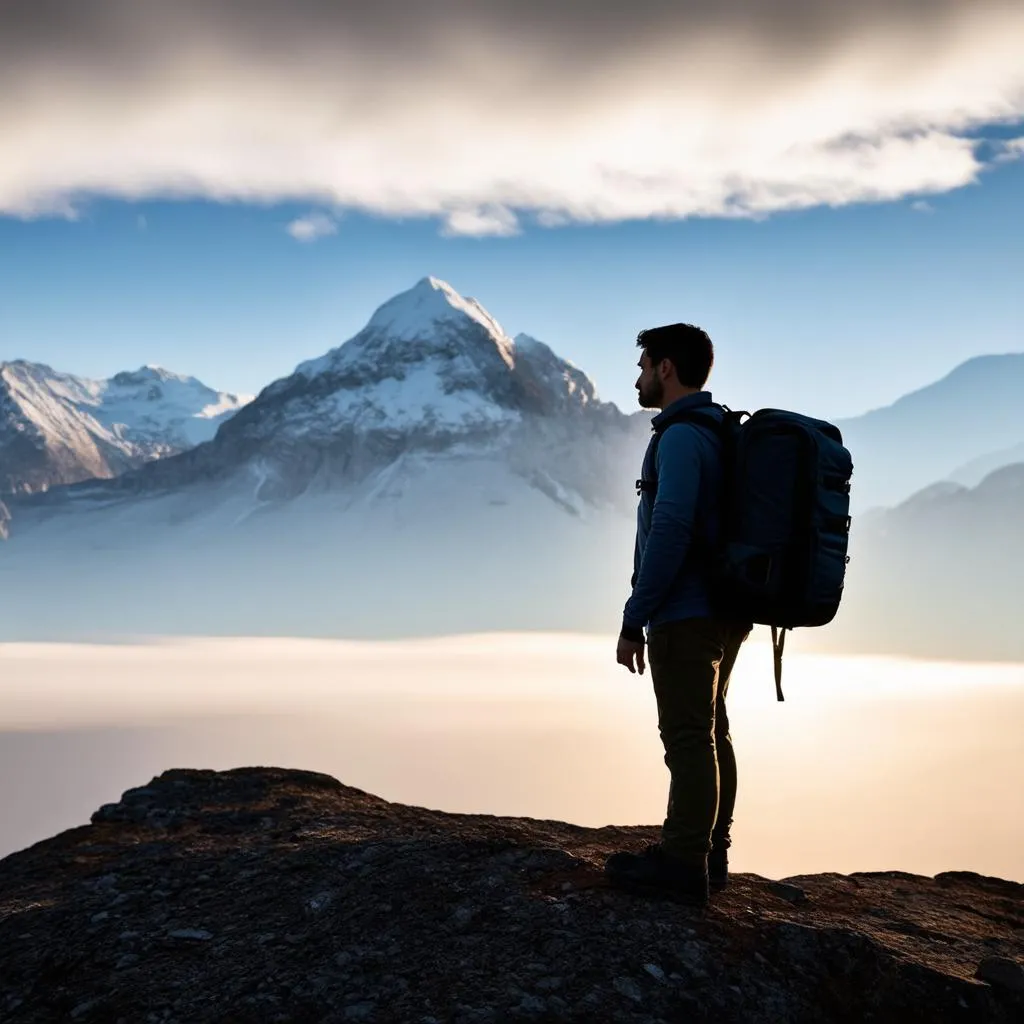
x: 653, y: 872
x: 718, y: 868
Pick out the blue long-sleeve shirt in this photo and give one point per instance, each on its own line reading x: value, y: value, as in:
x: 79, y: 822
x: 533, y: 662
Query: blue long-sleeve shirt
x: 669, y: 583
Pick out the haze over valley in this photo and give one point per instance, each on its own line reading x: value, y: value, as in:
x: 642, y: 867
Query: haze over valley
x: 433, y: 476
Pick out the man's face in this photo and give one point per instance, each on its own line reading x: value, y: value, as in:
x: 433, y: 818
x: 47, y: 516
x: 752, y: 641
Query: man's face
x: 649, y: 385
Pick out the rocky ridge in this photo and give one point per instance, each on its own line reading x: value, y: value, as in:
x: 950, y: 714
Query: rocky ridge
x: 268, y: 895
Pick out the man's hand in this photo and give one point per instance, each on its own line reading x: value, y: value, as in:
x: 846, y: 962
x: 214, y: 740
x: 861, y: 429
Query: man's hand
x: 627, y: 651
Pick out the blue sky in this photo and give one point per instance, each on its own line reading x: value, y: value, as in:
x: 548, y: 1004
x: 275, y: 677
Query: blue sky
x: 833, y: 311
x: 834, y: 191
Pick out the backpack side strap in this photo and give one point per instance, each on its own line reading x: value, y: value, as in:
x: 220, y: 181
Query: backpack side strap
x: 778, y: 646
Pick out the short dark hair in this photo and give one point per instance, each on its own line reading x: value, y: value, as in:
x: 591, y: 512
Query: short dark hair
x: 686, y: 347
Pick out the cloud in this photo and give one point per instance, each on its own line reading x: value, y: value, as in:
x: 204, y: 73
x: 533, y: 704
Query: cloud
x: 922, y: 206
x: 481, y: 115
x: 1010, y: 149
x: 312, y: 226
x: 482, y: 221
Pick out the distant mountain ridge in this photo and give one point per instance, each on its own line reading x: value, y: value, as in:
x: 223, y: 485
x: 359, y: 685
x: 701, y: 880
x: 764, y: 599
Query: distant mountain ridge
x: 57, y: 428
x: 938, y: 575
x: 972, y: 415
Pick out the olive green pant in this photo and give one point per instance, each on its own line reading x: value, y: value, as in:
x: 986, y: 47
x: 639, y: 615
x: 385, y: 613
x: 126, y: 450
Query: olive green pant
x: 691, y: 661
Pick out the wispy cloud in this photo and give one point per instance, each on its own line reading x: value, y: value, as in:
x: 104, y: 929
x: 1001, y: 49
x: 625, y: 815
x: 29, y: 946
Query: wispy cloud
x: 479, y: 116
x: 922, y: 206
x: 312, y: 226
x: 482, y: 221
x: 1010, y: 149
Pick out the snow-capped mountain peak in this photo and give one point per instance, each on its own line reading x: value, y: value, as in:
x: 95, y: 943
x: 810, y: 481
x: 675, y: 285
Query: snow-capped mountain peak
x: 150, y: 374
x: 57, y: 428
x: 429, y: 303
x: 431, y: 318
x: 431, y: 364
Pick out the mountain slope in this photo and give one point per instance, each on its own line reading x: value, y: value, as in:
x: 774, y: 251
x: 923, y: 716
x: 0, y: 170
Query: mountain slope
x: 926, y: 435
x: 56, y: 428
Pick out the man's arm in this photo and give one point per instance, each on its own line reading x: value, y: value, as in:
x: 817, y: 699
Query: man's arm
x: 672, y: 525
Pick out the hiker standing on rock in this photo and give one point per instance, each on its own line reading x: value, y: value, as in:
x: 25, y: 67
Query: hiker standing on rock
x: 691, y: 652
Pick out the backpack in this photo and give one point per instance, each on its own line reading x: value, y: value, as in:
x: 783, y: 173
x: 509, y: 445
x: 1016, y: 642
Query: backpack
x: 784, y: 530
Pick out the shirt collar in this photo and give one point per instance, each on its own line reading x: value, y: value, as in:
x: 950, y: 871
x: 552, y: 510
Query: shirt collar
x: 693, y: 401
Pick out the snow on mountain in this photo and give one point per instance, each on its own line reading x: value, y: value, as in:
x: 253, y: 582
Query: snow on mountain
x: 428, y: 360
x: 432, y: 543
x: 432, y: 373
x: 560, y: 376
x: 56, y: 428
x: 931, y: 434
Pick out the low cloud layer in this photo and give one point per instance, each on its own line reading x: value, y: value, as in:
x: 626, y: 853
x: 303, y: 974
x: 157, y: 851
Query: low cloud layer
x: 482, y: 115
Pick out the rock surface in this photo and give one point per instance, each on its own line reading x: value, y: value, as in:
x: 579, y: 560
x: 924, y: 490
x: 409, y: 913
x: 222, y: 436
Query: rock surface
x: 268, y: 895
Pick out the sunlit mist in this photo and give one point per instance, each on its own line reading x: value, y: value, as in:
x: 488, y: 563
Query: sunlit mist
x: 872, y: 762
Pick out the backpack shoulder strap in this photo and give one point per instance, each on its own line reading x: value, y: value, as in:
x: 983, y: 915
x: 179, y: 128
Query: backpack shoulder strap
x: 699, y: 416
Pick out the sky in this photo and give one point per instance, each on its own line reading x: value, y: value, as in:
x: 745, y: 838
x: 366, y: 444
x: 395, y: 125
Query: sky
x: 834, y: 191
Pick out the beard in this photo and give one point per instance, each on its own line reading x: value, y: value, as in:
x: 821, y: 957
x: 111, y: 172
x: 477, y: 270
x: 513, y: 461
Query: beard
x: 652, y: 395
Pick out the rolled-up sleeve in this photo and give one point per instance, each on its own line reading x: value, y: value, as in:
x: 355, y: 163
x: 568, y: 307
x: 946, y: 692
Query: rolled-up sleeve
x: 672, y: 524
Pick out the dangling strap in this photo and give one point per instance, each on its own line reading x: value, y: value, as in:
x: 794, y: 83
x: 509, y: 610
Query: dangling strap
x: 778, y: 645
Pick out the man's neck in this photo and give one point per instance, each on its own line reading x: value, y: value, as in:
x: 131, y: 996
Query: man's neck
x: 672, y: 395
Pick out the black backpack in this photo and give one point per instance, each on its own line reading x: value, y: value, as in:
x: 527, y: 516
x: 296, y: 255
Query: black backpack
x: 785, y: 524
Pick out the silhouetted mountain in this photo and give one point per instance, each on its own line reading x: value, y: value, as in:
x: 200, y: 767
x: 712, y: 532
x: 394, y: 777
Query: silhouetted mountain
x: 940, y: 575
x: 972, y: 473
x: 927, y: 436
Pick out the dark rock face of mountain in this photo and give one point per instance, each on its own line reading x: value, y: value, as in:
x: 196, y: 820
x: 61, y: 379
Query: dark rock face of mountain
x: 268, y: 895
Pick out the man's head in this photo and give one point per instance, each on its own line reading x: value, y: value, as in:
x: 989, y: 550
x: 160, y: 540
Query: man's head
x: 676, y: 361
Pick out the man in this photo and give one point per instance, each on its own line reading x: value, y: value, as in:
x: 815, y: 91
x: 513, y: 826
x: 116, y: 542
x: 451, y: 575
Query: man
x: 691, y: 652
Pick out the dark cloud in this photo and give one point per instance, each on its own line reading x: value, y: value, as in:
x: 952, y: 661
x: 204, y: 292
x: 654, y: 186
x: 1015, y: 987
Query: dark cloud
x: 576, y: 33
x: 470, y: 110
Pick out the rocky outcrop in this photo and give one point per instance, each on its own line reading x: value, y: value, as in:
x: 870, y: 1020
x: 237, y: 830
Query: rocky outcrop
x: 268, y: 895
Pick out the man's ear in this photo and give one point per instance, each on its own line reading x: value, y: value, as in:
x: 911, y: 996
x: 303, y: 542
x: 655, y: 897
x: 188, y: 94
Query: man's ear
x: 666, y: 369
